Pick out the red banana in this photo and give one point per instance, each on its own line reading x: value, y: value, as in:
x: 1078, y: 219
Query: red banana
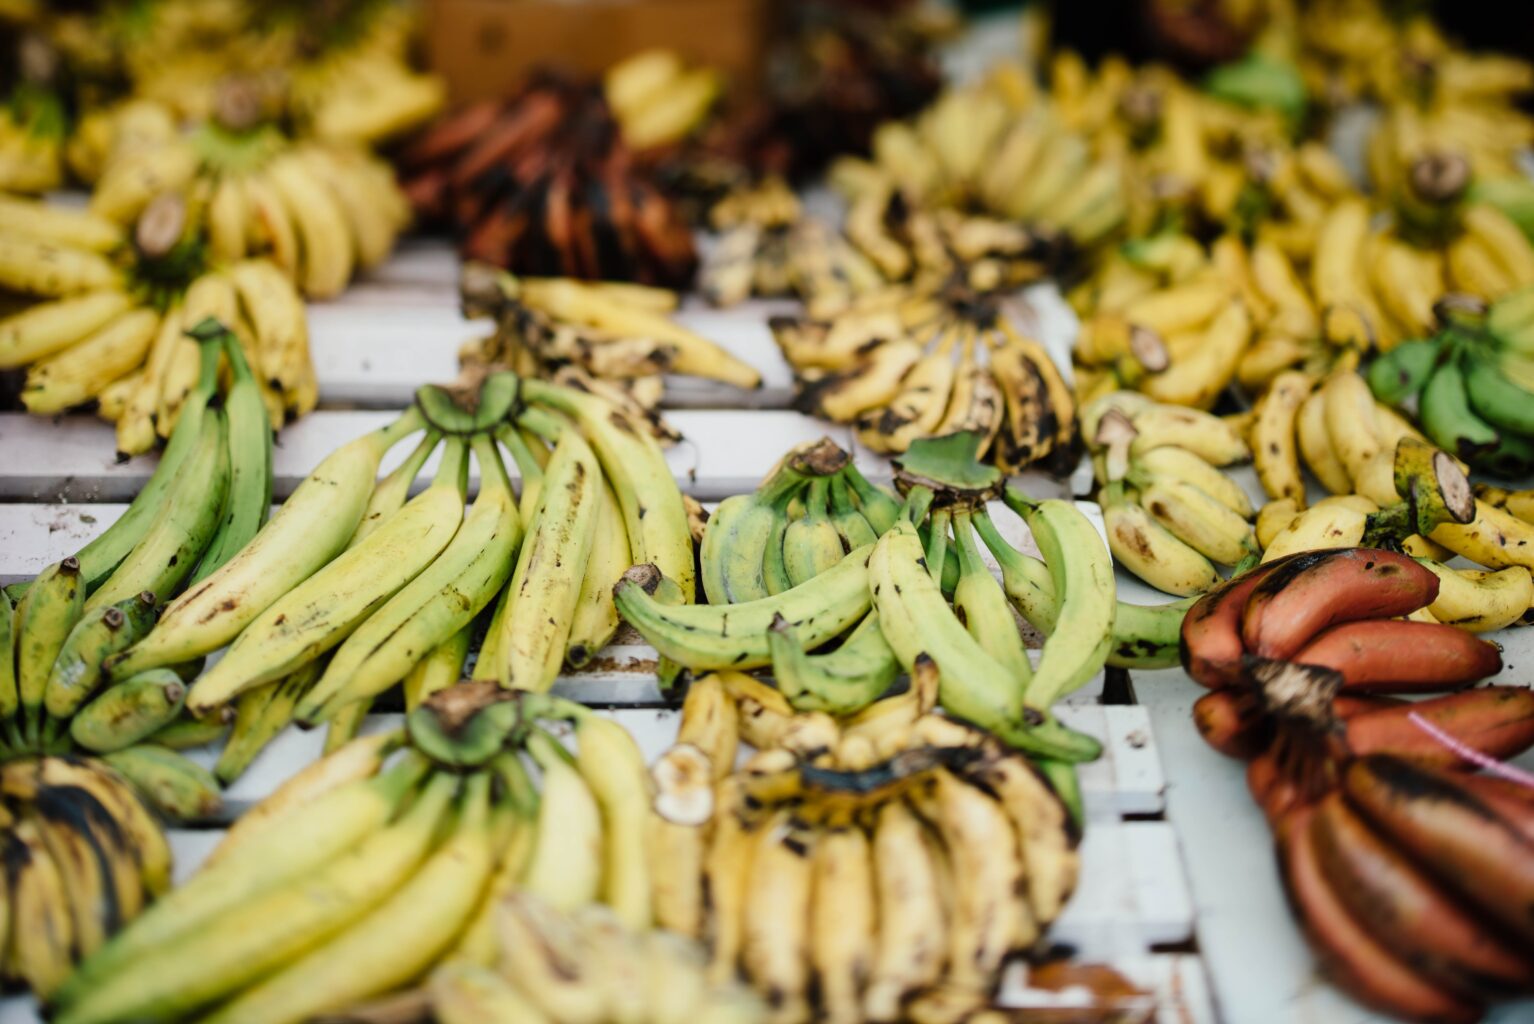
x: 1349, y: 705
x: 1276, y: 795
x: 1408, y: 912
x: 1352, y: 956
x: 1397, y: 656
x: 1513, y: 800
x: 1210, y: 646
x: 1497, y: 721
x: 1322, y: 588
x: 1455, y: 835
x: 1232, y: 722
x: 451, y: 134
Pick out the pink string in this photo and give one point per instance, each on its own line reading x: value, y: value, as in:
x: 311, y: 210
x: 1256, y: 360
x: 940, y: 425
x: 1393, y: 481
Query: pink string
x: 1474, y: 756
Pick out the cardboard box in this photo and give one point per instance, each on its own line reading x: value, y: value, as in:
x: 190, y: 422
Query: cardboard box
x: 484, y: 48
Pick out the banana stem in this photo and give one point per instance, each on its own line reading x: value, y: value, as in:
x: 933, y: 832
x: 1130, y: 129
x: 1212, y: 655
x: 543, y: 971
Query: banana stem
x: 411, y: 420
x: 454, y: 467
x: 937, y: 543
x: 917, y: 502
x: 517, y: 784
x: 543, y: 422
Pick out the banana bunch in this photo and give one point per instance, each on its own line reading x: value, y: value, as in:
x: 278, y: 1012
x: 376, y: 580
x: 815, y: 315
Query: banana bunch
x: 207, y: 497
x: 84, y: 856
x: 354, y: 586
x: 610, y: 338
x: 812, y: 509
x: 657, y: 100
x: 110, y: 324
x: 33, y: 124
x: 1399, y: 862
x: 1471, y: 383
x: 1171, y: 515
x: 987, y: 147
x: 932, y: 357
x: 618, y: 973
x: 880, y: 869
x: 766, y: 247
x: 321, y: 211
x: 544, y: 183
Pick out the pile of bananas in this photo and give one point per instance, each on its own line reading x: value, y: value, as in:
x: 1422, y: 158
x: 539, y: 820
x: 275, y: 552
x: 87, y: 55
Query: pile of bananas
x: 997, y: 148
x: 544, y: 183
x: 1471, y: 383
x: 880, y: 869
x: 585, y: 965
x: 931, y: 357
x: 33, y: 122
x: 320, y: 210
x: 1171, y: 515
x: 1399, y: 862
x: 111, y: 326
x: 83, y: 857
x: 609, y: 338
x: 352, y: 588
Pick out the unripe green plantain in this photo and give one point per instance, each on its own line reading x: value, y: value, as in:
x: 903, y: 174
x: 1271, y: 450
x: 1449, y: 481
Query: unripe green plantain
x: 128, y: 712
x: 98, y: 635
x: 49, y: 610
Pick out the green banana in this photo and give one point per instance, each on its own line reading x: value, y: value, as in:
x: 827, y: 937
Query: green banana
x: 345, y: 724
x: 260, y: 714
x: 1144, y: 636
x: 187, y: 522
x: 44, y: 618
x: 1497, y: 400
x: 1062, y: 778
x: 188, y: 733
x: 853, y: 527
x: 102, y: 555
x: 595, y: 619
x: 1511, y: 321
x: 176, y: 786
x: 981, y: 605
x: 841, y: 682
x: 636, y: 467
x: 100, y: 633
x: 735, y: 636
x: 309, y: 530
x: 811, y: 544
x: 878, y: 506
x: 774, y: 573
x: 322, y: 611
x: 10, y: 696
x: 1082, y: 571
x: 128, y: 712
x: 435, y: 606
x: 1402, y: 372
x: 734, y: 548
x: 1446, y: 416
x: 249, y: 498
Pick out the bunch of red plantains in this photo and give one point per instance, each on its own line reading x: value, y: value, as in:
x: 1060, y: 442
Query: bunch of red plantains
x: 1412, y: 876
x: 543, y: 184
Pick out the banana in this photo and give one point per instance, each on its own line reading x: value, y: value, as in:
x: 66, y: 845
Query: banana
x: 250, y: 465
x: 1198, y: 377
x: 1046, y: 835
x: 322, y: 231
x: 128, y: 712
x: 431, y: 609
x: 566, y: 865
x: 634, y: 464
x: 1273, y: 438
x: 83, y: 865
x: 100, y: 633
x: 843, y: 681
x: 228, y: 211
x: 548, y: 959
x: 1180, y: 464
x: 1481, y: 600
x: 735, y: 636
x: 776, y: 932
x: 173, y: 784
x: 811, y: 543
x: 1205, y: 435
x: 42, y: 930
x: 1348, y: 410
x: 738, y: 536
x: 1198, y: 520
x: 613, y: 768
x: 1495, y: 538
x: 78, y: 373
x: 139, y: 832
x: 44, y: 329
x: 130, y: 183
x: 843, y: 920
x: 1316, y: 446
x: 312, y: 526
x: 1321, y: 527
x: 909, y: 948
x: 253, y: 936
x: 869, y: 384
x: 324, y: 609
x: 276, y: 314
x: 1149, y: 550
x: 595, y: 619
x: 466, y: 993
x: 44, y: 618
x: 988, y: 921
x: 187, y: 524
x: 260, y: 714
x: 367, y: 958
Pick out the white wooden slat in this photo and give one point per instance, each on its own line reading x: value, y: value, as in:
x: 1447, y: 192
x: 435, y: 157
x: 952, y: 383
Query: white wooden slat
x: 71, y: 458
